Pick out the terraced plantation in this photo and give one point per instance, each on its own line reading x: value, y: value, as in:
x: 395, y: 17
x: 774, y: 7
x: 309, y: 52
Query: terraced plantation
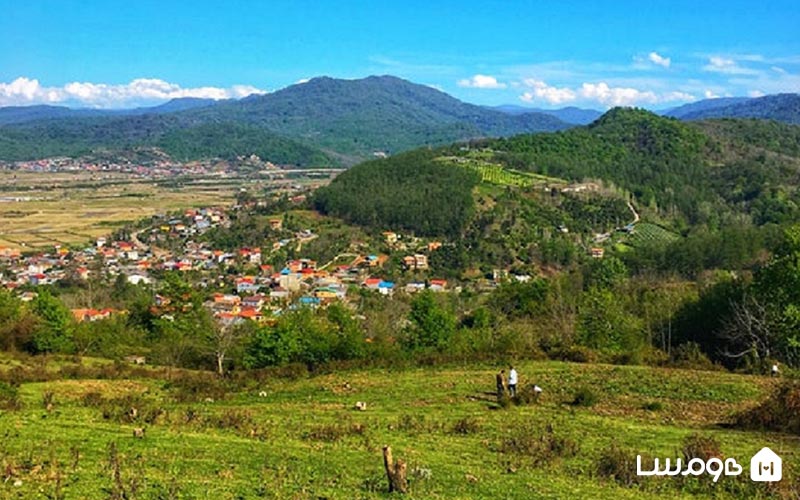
x: 494, y: 173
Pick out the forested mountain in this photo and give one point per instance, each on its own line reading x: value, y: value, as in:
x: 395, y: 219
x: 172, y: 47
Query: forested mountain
x: 703, y: 173
x: 20, y: 114
x: 569, y: 114
x: 703, y: 106
x: 348, y: 119
x: 780, y: 107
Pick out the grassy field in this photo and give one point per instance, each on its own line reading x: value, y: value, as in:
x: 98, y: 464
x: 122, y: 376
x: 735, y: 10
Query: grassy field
x: 303, y: 439
x: 75, y: 208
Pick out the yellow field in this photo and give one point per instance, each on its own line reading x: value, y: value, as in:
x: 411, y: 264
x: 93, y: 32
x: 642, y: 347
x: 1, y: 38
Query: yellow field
x: 75, y: 208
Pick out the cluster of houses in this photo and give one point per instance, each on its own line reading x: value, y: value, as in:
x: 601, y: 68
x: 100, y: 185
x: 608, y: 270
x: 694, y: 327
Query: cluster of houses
x: 255, y: 290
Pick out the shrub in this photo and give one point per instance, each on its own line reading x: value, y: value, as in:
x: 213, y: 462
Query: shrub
x: 467, y: 425
x: 575, y: 354
x: 527, y: 395
x: 619, y: 465
x: 413, y: 424
x: 779, y: 412
x: 585, y: 397
x: 653, y: 406
x: 691, y: 355
x: 541, y: 448
x: 196, y: 387
x: 697, y: 446
x: 9, y: 397
x: 334, y: 432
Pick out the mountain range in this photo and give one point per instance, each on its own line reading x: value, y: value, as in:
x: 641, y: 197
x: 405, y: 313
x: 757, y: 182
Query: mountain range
x: 344, y: 121
x: 324, y: 121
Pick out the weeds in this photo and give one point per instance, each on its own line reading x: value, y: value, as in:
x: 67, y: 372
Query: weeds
x: 585, y: 397
x: 465, y: 426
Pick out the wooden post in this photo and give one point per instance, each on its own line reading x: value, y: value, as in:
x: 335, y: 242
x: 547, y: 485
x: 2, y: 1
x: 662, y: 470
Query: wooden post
x: 395, y: 472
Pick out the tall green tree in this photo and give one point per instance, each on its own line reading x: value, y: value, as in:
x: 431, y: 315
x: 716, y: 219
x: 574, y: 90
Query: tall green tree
x: 431, y: 324
x: 56, y: 325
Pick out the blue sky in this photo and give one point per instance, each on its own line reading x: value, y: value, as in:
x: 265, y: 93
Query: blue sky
x: 654, y: 54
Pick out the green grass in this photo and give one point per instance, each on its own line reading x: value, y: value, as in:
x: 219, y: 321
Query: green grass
x: 305, y: 440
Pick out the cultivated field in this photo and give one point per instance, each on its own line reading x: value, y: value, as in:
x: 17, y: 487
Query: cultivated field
x: 301, y: 437
x: 40, y: 210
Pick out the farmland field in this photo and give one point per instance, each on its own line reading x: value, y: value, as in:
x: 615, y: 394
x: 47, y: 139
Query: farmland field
x: 301, y: 437
x: 494, y: 173
x: 646, y: 233
x: 41, y: 210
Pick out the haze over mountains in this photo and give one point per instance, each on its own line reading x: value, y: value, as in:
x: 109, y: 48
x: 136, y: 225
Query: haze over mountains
x: 324, y: 121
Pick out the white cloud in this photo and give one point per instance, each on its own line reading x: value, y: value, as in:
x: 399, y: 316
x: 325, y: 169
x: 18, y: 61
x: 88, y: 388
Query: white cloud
x: 540, y: 90
x: 481, y: 82
x: 708, y: 94
x: 616, y: 96
x: 600, y: 92
x: 302, y: 80
x: 658, y: 59
x: 755, y: 93
x: 727, y: 66
x: 25, y: 91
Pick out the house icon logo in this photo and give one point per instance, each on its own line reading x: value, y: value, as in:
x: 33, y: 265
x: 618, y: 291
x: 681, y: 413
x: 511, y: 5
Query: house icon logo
x: 766, y: 465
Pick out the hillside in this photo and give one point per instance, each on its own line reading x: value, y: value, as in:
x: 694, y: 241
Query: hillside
x: 347, y: 119
x: 302, y: 438
x: 781, y: 107
x: 703, y: 105
x: 683, y: 178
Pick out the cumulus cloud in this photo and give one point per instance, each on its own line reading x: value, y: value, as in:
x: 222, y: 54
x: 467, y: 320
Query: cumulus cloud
x: 658, y: 59
x: 540, y: 90
x: 481, y: 82
x: 599, y: 92
x: 708, y: 94
x: 755, y: 93
x: 25, y: 91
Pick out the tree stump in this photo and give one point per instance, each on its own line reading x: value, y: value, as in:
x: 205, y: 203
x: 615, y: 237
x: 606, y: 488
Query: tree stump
x: 395, y: 472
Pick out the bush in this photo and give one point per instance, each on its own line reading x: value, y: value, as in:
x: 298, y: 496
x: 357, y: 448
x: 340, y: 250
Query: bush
x: 697, y: 446
x: 527, y: 395
x: 653, y: 406
x: 779, y: 412
x: 690, y: 355
x: 467, y: 425
x: 541, y: 448
x: 413, y: 424
x: 619, y: 465
x: 9, y: 397
x: 334, y: 432
x: 575, y: 354
x: 585, y: 397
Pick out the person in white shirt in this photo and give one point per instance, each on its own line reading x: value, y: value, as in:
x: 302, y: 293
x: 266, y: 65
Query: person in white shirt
x: 512, y: 382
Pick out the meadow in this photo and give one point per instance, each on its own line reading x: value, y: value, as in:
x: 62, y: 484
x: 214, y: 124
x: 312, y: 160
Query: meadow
x: 288, y: 434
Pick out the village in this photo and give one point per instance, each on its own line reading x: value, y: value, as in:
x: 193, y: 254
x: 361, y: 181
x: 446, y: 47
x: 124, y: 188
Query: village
x: 240, y: 284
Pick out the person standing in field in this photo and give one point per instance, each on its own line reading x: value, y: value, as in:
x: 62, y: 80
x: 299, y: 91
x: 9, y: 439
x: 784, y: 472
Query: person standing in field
x: 512, y: 381
x: 501, y: 383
